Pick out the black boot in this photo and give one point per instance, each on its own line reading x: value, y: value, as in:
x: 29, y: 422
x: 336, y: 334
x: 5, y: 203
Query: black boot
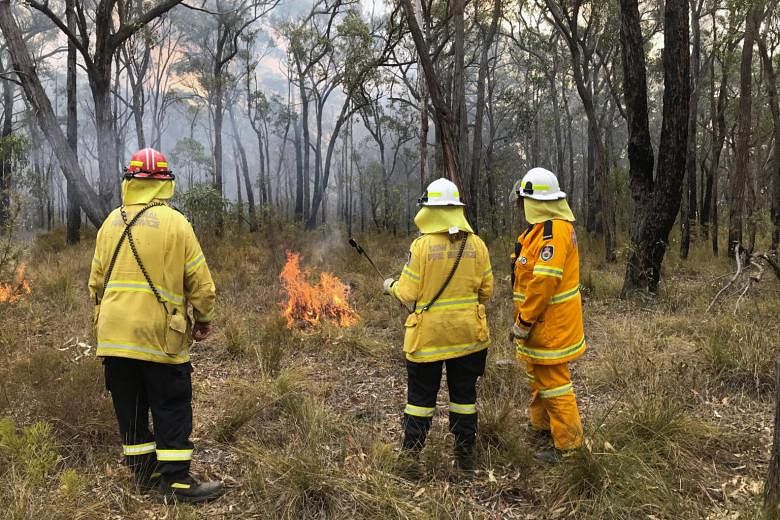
x: 465, y: 457
x: 407, y: 465
x: 190, y: 489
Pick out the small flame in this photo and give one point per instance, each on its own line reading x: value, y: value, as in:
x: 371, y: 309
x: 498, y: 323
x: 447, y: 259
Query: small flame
x: 13, y: 292
x: 309, y: 304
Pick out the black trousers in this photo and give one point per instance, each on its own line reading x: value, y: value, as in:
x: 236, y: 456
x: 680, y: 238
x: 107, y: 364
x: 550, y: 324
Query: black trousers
x: 422, y: 388
x: 138, y: 387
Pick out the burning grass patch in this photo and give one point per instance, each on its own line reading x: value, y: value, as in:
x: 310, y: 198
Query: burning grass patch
x: 310, y: 304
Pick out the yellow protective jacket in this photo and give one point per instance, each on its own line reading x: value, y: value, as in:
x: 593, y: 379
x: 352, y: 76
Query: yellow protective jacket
x: 129, y: 320
x: 456, y: 324
x: 546, y: 294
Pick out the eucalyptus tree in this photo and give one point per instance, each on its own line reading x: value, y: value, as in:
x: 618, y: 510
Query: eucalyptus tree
x: 769, y: 47
x: 103, y: 26
x: 93, y: 206
x: 334, y: 53
x: 583, y: 25
x: 656, y: 197
x: 214, y: 42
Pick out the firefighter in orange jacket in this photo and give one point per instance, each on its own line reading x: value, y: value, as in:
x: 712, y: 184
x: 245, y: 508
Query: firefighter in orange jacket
x: 547, y: 329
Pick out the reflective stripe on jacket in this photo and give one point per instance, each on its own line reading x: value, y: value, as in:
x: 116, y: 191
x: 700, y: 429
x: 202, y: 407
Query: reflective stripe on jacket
x: 131, y: 323
x: 546, y: 293
x: 456, y: 324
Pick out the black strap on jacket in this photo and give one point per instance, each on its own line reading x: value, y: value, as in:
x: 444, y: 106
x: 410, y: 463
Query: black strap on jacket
x: 547, y: 231
x: 449, y: 277
x: 518, y: 250
x: 127, y: 234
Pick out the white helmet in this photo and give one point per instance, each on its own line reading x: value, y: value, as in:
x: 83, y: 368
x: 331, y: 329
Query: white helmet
x: 441, y: 192
x: 539, y: 184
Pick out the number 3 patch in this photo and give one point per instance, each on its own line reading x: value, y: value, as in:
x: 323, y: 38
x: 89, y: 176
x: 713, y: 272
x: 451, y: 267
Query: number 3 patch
x: 547, y: 253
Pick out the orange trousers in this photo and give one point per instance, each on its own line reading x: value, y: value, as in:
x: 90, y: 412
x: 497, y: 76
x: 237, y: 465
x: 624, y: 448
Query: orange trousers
x: 553, y: 406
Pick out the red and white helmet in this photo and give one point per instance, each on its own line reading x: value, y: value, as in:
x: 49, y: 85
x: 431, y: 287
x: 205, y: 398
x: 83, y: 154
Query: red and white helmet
x: 148, y: 164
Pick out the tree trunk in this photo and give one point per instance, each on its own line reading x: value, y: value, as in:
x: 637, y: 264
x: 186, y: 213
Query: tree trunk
x: 74, y: 208
x: 305, y: 147
x: 591, y: 218
x: 93, y: 206
x: 240, y: 201
x: 459, y: 90
x: 475, y: 181
x: 299, y: 179
x: 688, y: 216
x: 250, y: 196
x: 445, y: 121
x: 559, y: 152
x: 739, y: 177
x: 6, y: 164
x: 654, y: 218
x: 219, y: 114
x: 319, y: 195
x: 774, y: 107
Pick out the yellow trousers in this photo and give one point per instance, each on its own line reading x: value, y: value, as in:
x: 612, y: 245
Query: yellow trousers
x: 553, y: 406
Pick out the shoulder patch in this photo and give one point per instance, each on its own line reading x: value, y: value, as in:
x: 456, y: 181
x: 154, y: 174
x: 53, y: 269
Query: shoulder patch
x: 547, y: 253
x: 548, y: 230
x: 574, y: 237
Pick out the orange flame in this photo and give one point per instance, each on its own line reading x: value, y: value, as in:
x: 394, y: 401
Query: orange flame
x: 13, y: 292
x: 308, y: 304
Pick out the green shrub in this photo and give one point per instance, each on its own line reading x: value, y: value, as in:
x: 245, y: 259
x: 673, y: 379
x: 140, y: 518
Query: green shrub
x: 33, y: 450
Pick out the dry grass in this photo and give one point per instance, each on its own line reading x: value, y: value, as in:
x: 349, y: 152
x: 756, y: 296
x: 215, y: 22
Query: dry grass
x: 306, y: 423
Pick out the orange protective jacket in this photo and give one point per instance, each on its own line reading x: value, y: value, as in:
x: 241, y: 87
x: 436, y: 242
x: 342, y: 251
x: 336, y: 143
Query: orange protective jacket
x: 546, y: 293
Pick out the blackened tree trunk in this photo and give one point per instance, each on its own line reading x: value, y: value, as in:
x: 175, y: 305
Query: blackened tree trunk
x: 656, y: 204
x: 739, y: 176
x: 74, y: 208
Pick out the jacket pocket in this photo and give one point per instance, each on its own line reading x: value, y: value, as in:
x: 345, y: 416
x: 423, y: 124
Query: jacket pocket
x: 412, y: 332
x: 178, y: 333
x: 483, y: 333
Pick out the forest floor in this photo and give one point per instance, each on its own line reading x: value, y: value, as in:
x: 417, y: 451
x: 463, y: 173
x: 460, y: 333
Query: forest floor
x: 677, y: 403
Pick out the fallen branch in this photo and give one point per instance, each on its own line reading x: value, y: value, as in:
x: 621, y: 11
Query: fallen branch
x: 737, y: 256
x: 752, y: 266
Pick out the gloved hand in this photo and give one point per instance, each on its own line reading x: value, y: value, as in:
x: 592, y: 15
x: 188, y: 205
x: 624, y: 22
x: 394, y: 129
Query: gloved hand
x: 201, y: 330
x: 387, y: 285
x: 518, y: 331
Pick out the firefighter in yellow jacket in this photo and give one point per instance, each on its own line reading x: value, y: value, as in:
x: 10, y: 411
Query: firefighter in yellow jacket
x: 547, y: 329
x: 447, y: 279
x: 147, y: 270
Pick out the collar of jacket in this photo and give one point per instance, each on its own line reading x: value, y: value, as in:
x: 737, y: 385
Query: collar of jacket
x: 537, y: 211
x: 441, y: 219
x: 143, y: 191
